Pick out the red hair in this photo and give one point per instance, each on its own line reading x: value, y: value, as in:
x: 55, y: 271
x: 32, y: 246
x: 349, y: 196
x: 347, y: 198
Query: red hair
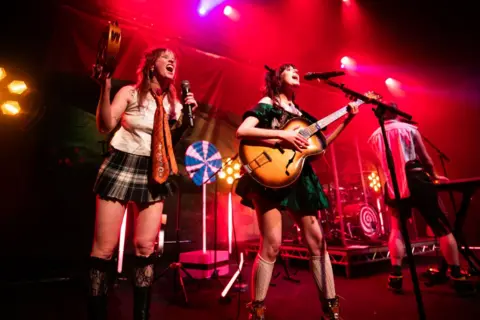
x: 144, y: 76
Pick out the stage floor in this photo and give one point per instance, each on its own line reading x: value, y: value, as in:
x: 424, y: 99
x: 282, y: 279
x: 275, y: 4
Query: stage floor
x: 363, y: 297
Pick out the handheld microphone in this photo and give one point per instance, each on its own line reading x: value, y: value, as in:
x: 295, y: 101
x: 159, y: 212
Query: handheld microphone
x: 185, y: 91
x: 322, y: 75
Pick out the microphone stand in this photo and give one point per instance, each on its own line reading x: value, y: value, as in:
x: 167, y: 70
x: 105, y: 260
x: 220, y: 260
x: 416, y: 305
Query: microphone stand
x: 379, y: 112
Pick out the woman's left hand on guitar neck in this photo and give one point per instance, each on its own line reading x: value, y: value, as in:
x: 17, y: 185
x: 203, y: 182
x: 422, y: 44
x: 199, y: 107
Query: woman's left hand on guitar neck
x: 352, y: 110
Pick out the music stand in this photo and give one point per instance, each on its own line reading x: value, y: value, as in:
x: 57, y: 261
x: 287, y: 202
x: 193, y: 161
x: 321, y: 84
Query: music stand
x: 379, y: 112
x: 177, y: 266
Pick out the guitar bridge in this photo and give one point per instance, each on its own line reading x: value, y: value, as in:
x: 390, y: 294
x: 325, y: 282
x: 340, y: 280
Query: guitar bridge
x: 262, y: 159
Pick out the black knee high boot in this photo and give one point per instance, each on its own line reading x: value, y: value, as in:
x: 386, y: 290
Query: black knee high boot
x: 143, y: 278
x: 99, y: 275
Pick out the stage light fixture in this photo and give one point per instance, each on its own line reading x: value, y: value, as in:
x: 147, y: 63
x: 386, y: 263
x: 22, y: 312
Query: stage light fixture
x: 17, y: 87
x: 227, y: 10
x: 230, y: 171
x: 374, y: 182
x: 11, y: 108
x: 3, y: 73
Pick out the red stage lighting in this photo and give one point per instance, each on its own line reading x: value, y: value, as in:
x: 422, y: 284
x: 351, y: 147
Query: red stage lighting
x: 390, y: 82
x: 227, y: 11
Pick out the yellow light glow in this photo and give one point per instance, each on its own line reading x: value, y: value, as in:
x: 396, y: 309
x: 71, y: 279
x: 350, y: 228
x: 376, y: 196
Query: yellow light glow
x: 371, y: 185
x: 11, y: 108
x: 236, y: 175
x: 236, y: 166
x: 229, y: 170
x: 375, y: 188
x: 3, y: 74
x: 222, y: 175
x: 230, y: 180
x: 17, y: 87
x: 370, y: 178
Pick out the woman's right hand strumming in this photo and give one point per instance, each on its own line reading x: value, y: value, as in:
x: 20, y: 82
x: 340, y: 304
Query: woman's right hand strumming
x: 294, y: 140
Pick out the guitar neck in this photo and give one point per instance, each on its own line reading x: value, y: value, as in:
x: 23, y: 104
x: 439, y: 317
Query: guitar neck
x: 324, y: 122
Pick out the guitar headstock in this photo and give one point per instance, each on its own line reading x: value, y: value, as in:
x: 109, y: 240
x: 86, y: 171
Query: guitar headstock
x: 372, y: 95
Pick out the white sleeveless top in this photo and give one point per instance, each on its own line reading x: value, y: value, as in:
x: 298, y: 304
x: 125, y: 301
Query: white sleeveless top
x: 135, y: 133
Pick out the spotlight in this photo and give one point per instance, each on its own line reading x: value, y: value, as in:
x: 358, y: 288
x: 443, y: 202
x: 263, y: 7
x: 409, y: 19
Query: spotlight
x: 17, y: 87
x: 389, y: 82
x: 227, y: 11
x: 3, y: 74
x: 202, y: 11
x: 374, y: 182
x: 345, y: 60
x: 11, y: 108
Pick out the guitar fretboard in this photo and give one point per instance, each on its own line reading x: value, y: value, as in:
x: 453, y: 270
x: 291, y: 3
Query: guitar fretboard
x: 322, y: 123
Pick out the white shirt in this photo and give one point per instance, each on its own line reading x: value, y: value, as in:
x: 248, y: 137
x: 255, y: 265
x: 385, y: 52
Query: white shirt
x: 135, y: 134
x: 400, y: 137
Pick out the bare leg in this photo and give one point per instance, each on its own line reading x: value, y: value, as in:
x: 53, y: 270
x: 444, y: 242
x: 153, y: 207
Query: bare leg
x: 395, y: 242
x: 320, y: 263
x: 320, y: 260
x: 449, y: 248
x: 270, y: 224
x: 107, y: 227
x: 147, y: 227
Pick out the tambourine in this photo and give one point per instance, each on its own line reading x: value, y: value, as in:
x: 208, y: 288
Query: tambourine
x: 108, y: 47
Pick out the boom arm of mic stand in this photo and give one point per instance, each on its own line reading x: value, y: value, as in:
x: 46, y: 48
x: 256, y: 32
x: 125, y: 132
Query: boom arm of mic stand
x: 366, y: 99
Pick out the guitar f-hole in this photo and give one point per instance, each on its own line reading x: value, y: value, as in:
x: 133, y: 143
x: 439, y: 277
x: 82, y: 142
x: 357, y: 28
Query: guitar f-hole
x: 289, y: 163
x: 279, y: 147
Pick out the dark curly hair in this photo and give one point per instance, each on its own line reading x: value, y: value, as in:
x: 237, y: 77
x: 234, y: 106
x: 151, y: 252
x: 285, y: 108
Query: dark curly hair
x: 273, y: 81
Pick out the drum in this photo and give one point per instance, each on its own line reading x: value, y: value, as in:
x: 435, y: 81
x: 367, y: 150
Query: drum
x: 364, y: 218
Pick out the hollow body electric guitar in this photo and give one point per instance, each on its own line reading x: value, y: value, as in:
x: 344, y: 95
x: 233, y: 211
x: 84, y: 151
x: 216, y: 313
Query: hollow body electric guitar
x: 279, y: 167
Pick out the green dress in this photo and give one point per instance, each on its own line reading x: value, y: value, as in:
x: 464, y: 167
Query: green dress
x: 306, y: 194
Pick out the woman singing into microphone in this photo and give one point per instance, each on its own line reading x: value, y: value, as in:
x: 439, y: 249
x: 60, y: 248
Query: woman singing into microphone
x: 150, y: 121
x: 302, y: 200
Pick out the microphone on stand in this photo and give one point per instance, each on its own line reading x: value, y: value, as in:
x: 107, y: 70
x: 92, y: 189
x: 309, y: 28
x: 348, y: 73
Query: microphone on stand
x: 322, y: 75
x: 185, y: 91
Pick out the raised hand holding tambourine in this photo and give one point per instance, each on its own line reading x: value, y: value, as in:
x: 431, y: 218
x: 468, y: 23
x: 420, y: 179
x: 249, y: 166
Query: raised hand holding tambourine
x: 108, y: 47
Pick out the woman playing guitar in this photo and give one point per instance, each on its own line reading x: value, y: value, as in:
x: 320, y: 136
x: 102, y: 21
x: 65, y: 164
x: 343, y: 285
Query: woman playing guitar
x: 302, y: 199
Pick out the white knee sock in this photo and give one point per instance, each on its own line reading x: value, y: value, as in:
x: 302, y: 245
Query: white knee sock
x: 261, y: 275
x: 323, y: 275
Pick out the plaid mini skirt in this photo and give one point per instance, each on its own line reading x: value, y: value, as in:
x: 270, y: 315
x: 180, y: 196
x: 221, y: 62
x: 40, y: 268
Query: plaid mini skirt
x: 127, y: 177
